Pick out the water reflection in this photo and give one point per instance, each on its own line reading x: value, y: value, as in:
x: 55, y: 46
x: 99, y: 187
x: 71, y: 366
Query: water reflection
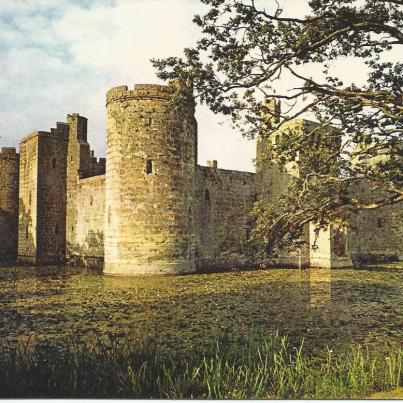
x: 325, y: 307
x: 320, y: 287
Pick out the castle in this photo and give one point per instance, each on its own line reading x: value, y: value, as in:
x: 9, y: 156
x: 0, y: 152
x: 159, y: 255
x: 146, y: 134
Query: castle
x: 149, y: 207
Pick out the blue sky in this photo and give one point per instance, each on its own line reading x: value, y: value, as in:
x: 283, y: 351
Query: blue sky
x: 61, y: 56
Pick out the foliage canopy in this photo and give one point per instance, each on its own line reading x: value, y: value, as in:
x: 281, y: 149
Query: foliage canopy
x: 250, y: 51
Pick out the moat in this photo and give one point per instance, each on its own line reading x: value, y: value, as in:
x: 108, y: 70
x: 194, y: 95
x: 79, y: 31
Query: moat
x: 325, y: 307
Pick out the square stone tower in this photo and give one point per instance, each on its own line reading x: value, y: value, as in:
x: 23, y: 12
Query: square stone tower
x: 42, y: 200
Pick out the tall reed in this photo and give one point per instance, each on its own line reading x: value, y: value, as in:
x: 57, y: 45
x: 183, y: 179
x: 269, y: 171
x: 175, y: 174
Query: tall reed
x: 259, y: 367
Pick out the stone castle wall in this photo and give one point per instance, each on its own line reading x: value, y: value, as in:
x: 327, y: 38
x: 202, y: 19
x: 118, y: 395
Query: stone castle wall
x: 81, y: 163
x: 9, y: 173
x: 89, y: 250
x: 52, y: 164
x: 223, y: 201
x: 220, y: 221
x: 376, y: 234
x: 28, y: 191
x: 273, y: 180
x: 78, y: 154
x: 151, y: 208
x: 51, y: 223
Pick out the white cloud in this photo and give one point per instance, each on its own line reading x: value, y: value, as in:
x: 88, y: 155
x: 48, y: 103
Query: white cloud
x: 61, y: 56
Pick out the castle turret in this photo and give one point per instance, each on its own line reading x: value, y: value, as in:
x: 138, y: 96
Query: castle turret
x: 272, y: 178
x: 151, y: 159
x: 9, y: 161
x: 78, y: 157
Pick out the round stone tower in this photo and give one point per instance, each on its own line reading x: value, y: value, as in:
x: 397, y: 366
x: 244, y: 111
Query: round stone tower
x: 150, y: 169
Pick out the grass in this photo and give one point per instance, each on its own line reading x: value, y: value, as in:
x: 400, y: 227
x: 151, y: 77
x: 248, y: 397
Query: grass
x: 390, y: 394
x: 259, y: 367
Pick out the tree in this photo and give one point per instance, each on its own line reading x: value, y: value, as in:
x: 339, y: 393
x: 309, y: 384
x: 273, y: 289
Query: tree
x: 245, y: 56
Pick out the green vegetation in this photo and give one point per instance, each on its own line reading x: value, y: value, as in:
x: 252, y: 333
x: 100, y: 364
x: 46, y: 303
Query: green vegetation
x: 365, y: 306
x: 254, y: 367
x: 157, y: 336
x: 250, y: 52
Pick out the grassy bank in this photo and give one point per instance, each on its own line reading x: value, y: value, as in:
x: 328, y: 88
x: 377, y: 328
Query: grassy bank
x: 259, y: 367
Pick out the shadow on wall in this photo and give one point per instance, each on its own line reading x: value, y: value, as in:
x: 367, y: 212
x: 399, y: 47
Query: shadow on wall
x: 8, y: 237
x: 91, y: 252
x: 27, y: 248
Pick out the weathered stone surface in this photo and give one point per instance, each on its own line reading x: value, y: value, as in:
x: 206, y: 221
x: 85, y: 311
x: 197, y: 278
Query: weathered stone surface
x: 223, y: 201
x: 152, y: 209
x: 376, y: 234
x: 9, y: 171
x: 89, y: 247
x: 42, y: 199
x: 52, y: 164
x: 150, y: 170
x: 82, y: 164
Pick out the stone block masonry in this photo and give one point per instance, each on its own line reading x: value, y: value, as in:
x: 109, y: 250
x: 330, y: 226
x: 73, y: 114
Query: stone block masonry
x: 376, y: 234
x: 80, y: 164
x: 150, y: 172
x: 9, y: 172
x: 222, y: 205
x: 149, y: 208
x: 42, y: 201
x: 89, y: 249
x: 52, y: 164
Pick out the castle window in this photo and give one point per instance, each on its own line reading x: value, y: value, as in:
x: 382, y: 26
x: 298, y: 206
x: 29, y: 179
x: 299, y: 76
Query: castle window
x: 207, y: 195
x: 150, y: 121
x: 381, y: 223
x: 149, y: 167
x: 53, y: 163
x: 30, y: 198
x: 26, y: 232
x: 91, y: 200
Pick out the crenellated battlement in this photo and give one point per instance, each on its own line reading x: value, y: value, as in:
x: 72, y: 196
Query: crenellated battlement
x: 151, y: 208
x: 8, y: 152
x: 140, y: 91
x: 61, y: 130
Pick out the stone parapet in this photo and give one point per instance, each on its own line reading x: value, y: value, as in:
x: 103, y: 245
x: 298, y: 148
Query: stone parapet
x: 140, y: 91
x: 9, y: 152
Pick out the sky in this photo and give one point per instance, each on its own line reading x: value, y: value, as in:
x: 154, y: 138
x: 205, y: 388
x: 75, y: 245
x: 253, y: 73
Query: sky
x: 61, y: 56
